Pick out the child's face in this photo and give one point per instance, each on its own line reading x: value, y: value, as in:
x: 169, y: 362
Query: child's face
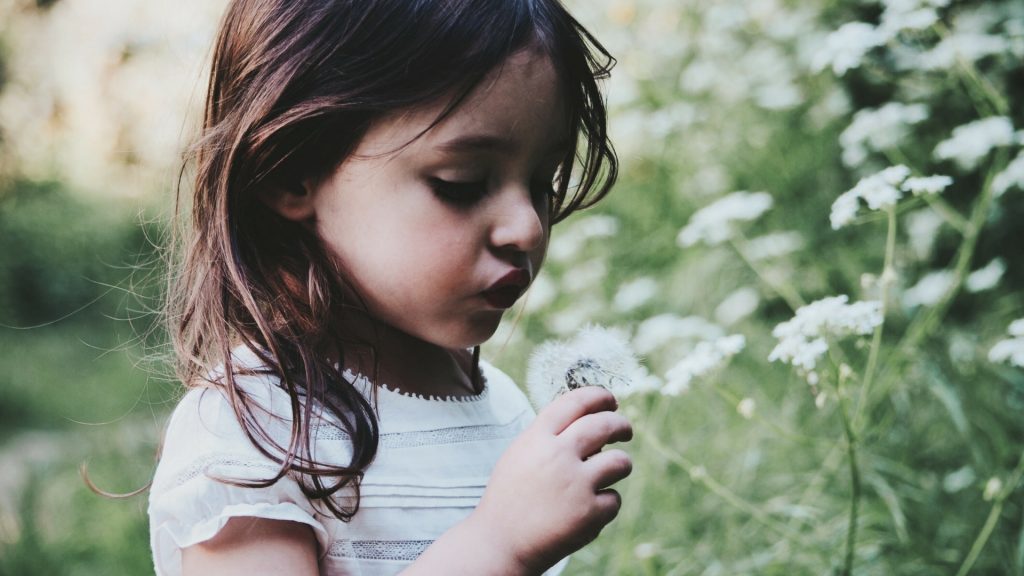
x: 427, y: 234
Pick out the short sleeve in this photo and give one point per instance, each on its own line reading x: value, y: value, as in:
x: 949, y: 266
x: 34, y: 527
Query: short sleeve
x: 204, y: 443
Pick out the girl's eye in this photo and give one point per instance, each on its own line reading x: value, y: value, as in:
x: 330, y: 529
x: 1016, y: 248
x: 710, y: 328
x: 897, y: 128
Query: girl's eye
x: 459, y: 193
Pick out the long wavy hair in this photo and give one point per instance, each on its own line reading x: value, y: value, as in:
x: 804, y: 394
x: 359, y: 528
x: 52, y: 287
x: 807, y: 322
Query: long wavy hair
x: 294, y: 85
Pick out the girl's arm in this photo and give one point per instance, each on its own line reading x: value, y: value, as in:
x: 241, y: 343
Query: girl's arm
x: 548, y: 496
x: 254, y: 547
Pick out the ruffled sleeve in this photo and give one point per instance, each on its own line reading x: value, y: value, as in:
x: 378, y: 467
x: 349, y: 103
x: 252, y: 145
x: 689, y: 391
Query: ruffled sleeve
x: 204, y: 445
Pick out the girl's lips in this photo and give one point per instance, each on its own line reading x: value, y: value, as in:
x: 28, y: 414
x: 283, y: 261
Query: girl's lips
x: 506, y: 290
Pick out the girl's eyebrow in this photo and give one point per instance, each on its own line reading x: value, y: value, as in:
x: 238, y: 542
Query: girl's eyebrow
x: 491, y: 142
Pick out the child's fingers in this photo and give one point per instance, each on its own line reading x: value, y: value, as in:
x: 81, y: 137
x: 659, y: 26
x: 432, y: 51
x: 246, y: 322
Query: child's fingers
x: 609, y: 502
x: 608, y: 467
x: 591, y: 432
x: 572, y: 405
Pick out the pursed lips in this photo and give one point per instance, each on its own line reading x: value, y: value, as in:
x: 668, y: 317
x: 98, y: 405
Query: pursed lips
x: 504, y: 292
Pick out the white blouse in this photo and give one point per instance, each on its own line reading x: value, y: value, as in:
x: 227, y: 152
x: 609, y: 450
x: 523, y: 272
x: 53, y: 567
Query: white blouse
x: 433, y: 461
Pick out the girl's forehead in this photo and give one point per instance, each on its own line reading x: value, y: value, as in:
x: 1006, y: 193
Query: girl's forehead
x: 519, y: 106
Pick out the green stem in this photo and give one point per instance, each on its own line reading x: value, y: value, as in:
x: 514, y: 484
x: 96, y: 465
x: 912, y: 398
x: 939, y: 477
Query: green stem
x: 855, y: 482
x: 884, y: 280
x: 733, y: 400
x: 992, y: 520
x: 925, y: 322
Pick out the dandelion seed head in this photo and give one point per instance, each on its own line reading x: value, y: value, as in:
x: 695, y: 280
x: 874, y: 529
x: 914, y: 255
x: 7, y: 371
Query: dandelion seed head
x: 971, y: 142
x: 594, y: 356
x: 716, y: 222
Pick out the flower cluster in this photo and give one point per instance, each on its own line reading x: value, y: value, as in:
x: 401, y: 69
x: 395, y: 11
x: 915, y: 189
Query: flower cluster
x: 971, y: 142
x: 883, y: 190
x: 704, y: 358
x: 1010, y: 350
x: 594, y: 356
x: 803, y: 340
x: 716, y: 222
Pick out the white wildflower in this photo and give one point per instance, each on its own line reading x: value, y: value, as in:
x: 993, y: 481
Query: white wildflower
x: 930, y: 289
x: 1010, y: 350
x: 774, y: 245
x: 802, y: 339
x: 736, y: 306
x: 594, y: 356
x: 927, y: 184
x: 1011, y: 176
x: 568, y: 244
x: 846, y: 47
x: 635, y: 293
x: 575, y: 315
x: 705, y: 357
x: 878, y: 129
x: 584, y: 276
x: 971, y: 142
x: 902, y: 15
x: 986, y: 278
x: 992, y: 488
x: 958, y: 480
x: 880, y: 190
x: 715, y: 223
x: 962, y: 46
x: 746, y: 408
x: 657, y: 331
x: 922, y: 230
x: 645, y: 550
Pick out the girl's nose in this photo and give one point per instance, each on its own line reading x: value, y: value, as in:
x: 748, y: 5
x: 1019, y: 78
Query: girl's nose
x: 520, y: 223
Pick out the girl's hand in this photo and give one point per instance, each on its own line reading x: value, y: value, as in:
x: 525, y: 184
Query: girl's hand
x: 548, y: 495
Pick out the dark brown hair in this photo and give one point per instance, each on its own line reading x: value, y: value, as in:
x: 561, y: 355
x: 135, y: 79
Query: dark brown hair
x: 293, y: 87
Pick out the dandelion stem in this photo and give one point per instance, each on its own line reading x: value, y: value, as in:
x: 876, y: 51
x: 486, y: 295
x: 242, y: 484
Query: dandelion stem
x: 992, y: 520
x: 884, y: 280
x: 786, y: 291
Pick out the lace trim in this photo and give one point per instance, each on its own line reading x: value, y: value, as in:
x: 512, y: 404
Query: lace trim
x: 363, y: 381
x: 402, y: 550
x: 440, y: 436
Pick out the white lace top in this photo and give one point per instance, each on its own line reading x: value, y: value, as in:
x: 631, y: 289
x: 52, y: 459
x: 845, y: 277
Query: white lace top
x: 433, y: 461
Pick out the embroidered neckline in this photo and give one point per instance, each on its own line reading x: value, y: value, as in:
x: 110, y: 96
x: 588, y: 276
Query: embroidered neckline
x: 363, y: 381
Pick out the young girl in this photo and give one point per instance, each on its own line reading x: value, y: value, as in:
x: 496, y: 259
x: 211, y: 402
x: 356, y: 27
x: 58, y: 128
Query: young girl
x: 376, y: 181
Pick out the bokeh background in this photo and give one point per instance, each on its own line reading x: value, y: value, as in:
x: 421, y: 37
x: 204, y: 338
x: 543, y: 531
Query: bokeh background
x: 742, y: 470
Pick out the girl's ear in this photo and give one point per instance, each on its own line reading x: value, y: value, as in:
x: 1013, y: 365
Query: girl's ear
x: 294, y: 202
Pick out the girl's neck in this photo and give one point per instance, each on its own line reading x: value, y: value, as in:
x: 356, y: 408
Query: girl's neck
x: 399, y: 360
